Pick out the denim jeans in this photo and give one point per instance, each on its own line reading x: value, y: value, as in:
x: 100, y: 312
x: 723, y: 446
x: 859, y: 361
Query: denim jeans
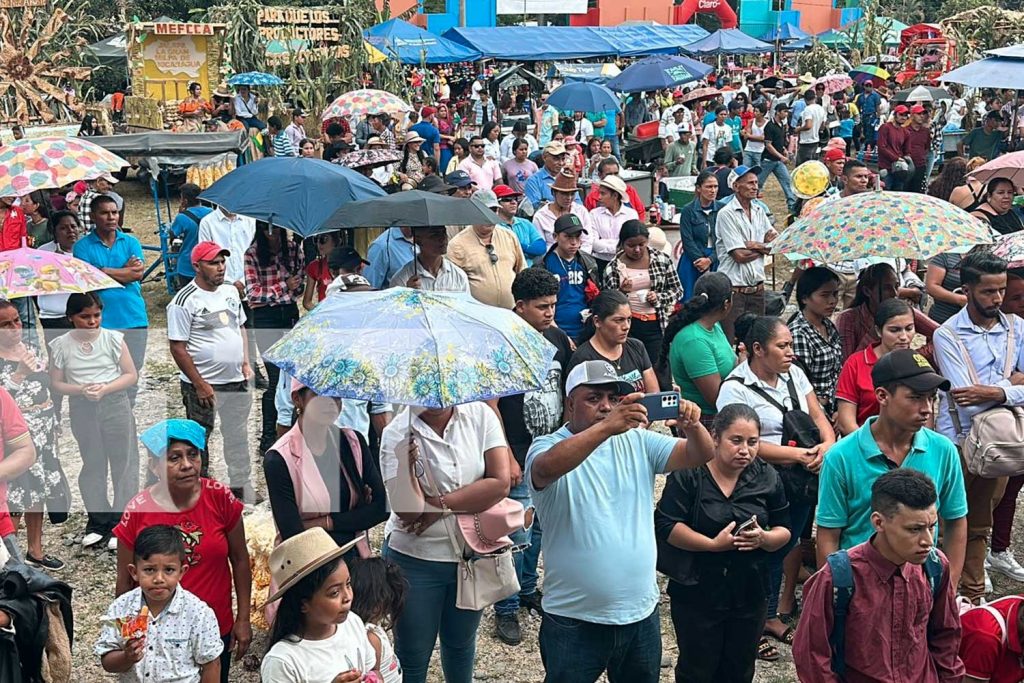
x: 752, y: 159
x: 232, y: 402
x: 430, y: 611
x: 26, y: 308
x: 781, y: 173
x: 799, y: 513
x: 614, y: 139
x: 105, y: 432
x: 270, y: 323
x: 521, y: 541
x: 252, y: 122
x: 575, y: 651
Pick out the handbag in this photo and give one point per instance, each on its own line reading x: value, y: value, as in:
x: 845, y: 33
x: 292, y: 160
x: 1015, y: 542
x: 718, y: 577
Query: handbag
x: 58, y: 497
x: 994, y: 445
x: 677, y: 563
x: 483, y: 579
x: 798, y: 430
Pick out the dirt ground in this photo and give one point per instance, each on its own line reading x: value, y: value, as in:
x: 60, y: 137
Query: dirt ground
x: 91, y: 572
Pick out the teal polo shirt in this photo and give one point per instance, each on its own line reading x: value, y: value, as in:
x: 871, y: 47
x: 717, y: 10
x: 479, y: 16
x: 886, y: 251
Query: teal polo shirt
x: 123, y: 307
x: 853, y: 464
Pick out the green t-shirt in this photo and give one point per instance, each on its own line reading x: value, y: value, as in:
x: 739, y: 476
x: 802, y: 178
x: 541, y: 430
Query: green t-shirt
x: 698, y: 352
x: 982, y: 144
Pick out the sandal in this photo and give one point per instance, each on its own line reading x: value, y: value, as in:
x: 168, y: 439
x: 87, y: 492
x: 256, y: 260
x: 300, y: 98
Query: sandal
x: 786, y: 638
x: 767, y: 652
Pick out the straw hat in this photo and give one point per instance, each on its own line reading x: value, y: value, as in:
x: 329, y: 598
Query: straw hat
x: 223, y: 91
x: 565, y: 182
x: 411, y: 137
x: 301, y: 555
x: 615, y: 184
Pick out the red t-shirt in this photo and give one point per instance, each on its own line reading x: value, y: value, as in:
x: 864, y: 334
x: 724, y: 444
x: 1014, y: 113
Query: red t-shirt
x: 981, y: 643
x: 13, y: 430
x: 855, y: 385
x: 319, y: 271
x: 204, y: 529
x: 14, y: 229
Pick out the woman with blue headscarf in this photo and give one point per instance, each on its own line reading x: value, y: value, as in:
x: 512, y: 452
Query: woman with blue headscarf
x: 210, y: 520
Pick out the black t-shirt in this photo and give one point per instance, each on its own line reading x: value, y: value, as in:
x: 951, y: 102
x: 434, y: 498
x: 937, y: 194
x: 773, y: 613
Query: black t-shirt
x: 722, y: 173
x: 630, y: 366
x: 776, y: 136
x: 537, y: 413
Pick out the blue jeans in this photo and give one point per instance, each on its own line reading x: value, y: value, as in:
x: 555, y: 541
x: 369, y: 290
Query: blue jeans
x: 752, y: 159
x: 252, y: 122
x: 522, y: 542
x: 27, y: 314
x: 430, y: 611
x: 575, y: 651
x: 799, y: 513
x: 781, y: 173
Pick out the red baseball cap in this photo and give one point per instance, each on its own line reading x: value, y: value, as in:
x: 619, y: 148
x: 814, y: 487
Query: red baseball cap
x: 207, y: 251
x: 501, y: 191
x: 917, y: 109
x: 428, y: 111
x: 901, y: 109
x: 834, y: 154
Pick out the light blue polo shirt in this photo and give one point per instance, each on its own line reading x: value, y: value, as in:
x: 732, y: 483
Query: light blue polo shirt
x: 123, y: 307
x: 599, y: 547
x: 856, y: 461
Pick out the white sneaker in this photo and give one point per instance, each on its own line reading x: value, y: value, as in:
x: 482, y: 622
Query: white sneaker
x: 988, y: 584
x: 1004, y: 563
x: 112, y: 543
x: 91, y: 539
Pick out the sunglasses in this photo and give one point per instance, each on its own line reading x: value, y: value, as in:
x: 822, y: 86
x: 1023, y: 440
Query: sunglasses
x: 506, y: 200
x: 475, y: 146
x: 491, y: 254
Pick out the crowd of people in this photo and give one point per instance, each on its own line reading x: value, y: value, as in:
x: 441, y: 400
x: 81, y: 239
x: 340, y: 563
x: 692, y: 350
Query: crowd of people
x: 828, y: 439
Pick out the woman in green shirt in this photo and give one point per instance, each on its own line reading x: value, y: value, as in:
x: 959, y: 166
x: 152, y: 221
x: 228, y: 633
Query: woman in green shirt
x: 695, y: 346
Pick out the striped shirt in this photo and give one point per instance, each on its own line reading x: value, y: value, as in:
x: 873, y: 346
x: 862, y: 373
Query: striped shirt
x: 283, y: 146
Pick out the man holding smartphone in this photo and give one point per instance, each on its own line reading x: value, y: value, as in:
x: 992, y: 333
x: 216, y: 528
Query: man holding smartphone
x: 593, y: 484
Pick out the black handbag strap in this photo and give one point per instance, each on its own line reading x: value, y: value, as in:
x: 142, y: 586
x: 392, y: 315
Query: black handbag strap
x: 790, y: 386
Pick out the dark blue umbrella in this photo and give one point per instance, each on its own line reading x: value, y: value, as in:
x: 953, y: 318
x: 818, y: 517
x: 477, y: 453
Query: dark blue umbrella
x: 257, y: 78
x: 661, y: 71
x: 583, y: 97
x: 294, y: 193
x: 784, y: 32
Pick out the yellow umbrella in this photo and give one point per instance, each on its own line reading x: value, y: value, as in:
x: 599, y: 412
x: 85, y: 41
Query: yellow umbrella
x: 374, y: 55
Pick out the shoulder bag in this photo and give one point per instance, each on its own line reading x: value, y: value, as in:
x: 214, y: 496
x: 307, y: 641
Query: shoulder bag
x: 799, y: 430
x: 483, y: 579
x: 678, y: 564
x: 994, y: 444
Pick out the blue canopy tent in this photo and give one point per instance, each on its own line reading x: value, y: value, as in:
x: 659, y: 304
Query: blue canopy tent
x: 410, y: 44
x: 533, y: 43
x: 994, y: 71
x: 831, y: 38
x: 783, y: 33
x: 727, y: 41
x: 642, y: 40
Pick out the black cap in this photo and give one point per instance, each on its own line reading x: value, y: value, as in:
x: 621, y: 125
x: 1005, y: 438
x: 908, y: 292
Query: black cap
x: 781, y: 106
x: 904, y: 366
x: 570, y: 224
x: 345, y: 257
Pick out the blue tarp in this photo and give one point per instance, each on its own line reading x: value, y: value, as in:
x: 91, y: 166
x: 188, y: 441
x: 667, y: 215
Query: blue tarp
x: 991, y: 72
x: 412, y: 45
x: 784, y: 32
x: 550, y: 43
x: 727, y: 41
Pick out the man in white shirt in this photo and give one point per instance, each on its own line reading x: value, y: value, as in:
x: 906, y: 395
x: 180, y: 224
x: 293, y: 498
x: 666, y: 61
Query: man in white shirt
x: 716, y: 134
x: 742, y: 234
x: 205, y: 328
x: 811, y: 121
x: 584, y: 127
x: 246, y: 108
x: 607, y: 219
x: 296, y: 130
x: 519, y: 132
x: 431, y: 270
x: 678, y: 122
x: 235, y: 233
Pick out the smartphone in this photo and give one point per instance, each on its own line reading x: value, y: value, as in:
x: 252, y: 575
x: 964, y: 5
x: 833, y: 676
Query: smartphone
x: 661, y: 406
x: 749, y: 524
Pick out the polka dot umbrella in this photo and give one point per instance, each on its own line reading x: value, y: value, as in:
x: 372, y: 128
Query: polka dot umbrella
x: 884, y: 225
x: 49, y: 162
x: 359, y: 103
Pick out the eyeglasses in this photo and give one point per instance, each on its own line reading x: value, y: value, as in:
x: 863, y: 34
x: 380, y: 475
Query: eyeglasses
x: 491, y: 254
x: 475, y: 146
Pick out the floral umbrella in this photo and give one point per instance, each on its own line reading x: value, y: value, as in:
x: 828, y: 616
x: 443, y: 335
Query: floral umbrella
x: 881, y: 224
x: 1011, y: 248
x: 32, y: 272
x: 48, y: 162
x: 413, y: 347
x: 369, y: 158
x: 359, y: 103
x: 834, y: 83
x: 701, y: 94
x: 255, y: 78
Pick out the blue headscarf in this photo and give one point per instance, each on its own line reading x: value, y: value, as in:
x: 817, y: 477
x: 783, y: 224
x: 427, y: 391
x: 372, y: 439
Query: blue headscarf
x: 157, y: 437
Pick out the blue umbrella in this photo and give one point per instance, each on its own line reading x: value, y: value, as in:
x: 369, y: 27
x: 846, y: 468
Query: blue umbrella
x: 583, y: 97
x: 291, y: 192
x: 662, y: 71
x: 990, y: 72
x: 413, y: 347
x: 784, y: 32
x: 257, y: 78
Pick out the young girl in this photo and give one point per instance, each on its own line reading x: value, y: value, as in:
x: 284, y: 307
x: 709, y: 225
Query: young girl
x: 378, y: 596
x: 92, y: 367
x: 318, y: 275
x: 315, y: 637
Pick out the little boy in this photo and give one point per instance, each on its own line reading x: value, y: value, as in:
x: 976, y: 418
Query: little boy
x: 179, y: 641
